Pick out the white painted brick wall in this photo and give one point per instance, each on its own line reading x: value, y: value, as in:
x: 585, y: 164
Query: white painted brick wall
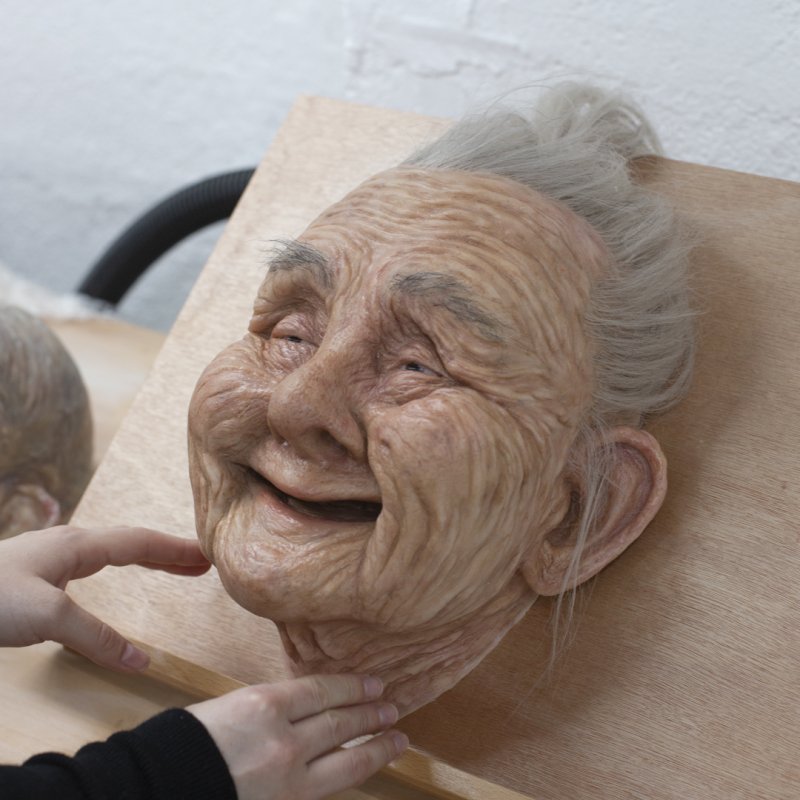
x: 107, y: 105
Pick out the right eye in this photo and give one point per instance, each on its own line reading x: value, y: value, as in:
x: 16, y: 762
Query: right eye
x: 292, y: 340
x: 294, y: 329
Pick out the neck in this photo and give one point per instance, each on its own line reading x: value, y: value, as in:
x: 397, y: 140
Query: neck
x: 416, y: 666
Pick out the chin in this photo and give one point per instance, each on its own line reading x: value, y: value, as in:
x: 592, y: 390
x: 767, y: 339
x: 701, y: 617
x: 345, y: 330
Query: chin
x: 289, y: 575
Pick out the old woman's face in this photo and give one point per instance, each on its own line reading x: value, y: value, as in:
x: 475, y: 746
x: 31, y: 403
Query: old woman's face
x: 387, y: 443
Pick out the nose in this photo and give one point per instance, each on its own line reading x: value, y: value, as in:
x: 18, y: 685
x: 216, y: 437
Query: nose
x: 312, y: 409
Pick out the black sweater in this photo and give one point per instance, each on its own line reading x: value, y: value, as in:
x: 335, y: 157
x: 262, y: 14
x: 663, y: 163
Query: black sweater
x: 169, y: 757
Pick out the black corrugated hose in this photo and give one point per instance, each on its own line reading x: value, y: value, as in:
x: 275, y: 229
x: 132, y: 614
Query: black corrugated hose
x: 157, y: 230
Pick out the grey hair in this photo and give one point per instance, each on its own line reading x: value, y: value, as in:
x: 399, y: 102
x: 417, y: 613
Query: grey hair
x: 45, y: 418
x: 577, y: 147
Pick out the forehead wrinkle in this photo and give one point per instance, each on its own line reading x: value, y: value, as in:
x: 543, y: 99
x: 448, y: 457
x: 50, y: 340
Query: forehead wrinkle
x: 448, y: 292
x: 556, y: 289
x: 291, y: 255
x: 548, y: 242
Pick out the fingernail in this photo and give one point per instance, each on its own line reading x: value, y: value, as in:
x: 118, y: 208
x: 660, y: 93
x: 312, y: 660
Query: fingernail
x: 373, y: 687
x: 133, y: 658
x: 387, y: 714
x: 400, y: 741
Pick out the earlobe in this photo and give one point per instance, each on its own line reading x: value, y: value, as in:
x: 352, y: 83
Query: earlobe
x: 636, y: 483
x: 29, y: 507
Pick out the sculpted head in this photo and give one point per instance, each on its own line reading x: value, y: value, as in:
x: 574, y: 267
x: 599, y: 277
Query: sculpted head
x: 425, y: 427
x: 45, y: 426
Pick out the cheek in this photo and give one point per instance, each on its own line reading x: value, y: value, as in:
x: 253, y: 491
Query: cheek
x: 461, y: 440
x: 271, y: 577
x: 229, y: 404
x: 459, y: 482
x: 226, y: 414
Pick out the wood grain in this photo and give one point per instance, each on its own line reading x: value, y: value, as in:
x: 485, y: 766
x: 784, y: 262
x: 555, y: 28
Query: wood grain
x: 53, y: 700
x: 683, y: 680
x: 114, y: 359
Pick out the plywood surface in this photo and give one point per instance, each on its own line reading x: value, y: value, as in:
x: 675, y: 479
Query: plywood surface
x: 114, y: 358
x: 684, y: 678
x: 53, y: 700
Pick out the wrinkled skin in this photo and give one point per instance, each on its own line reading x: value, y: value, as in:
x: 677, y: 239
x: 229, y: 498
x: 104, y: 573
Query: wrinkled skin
x: 438, y: 366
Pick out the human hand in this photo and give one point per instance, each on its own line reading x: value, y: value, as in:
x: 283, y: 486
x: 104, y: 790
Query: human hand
x: 279, y: 740
x: 35, y: 567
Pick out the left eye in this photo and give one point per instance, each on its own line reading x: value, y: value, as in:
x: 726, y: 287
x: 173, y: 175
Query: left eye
x: 293, y: 339
x: 416, y: 366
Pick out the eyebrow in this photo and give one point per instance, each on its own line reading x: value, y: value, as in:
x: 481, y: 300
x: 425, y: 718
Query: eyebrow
x: 289, y: 254
x: 442, y: 290
x: 446, y: 291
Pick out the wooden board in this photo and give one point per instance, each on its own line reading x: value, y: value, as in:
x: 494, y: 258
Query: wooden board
x: 53, y: 700
x: 114, y: 358
x: 684, y: 677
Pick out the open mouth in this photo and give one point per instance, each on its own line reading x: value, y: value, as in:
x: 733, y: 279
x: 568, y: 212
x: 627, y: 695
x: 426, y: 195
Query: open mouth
x: 336, y: 510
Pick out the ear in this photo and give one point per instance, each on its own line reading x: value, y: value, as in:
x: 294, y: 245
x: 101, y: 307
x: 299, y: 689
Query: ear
x: 637, y: 483
x: 29, y: 507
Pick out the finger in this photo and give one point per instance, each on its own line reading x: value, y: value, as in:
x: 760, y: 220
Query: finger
x: 323, y: 732
x: 177, y: 569
x: 344, y: 769
x: 121, y: 546
x: 79, y: 630
x: 307, y: 696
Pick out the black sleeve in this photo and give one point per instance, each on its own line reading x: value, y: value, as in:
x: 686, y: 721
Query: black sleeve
x: 170, y: 756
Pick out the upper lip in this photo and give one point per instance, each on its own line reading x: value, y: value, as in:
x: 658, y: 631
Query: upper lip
x: 312, y: 497
x: 339, y: 510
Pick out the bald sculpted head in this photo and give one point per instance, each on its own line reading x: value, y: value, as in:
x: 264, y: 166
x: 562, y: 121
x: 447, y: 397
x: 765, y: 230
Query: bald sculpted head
x: 45, y: 426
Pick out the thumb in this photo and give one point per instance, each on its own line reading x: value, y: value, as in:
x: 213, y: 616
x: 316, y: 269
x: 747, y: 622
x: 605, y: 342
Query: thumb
x: 79, y: 630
